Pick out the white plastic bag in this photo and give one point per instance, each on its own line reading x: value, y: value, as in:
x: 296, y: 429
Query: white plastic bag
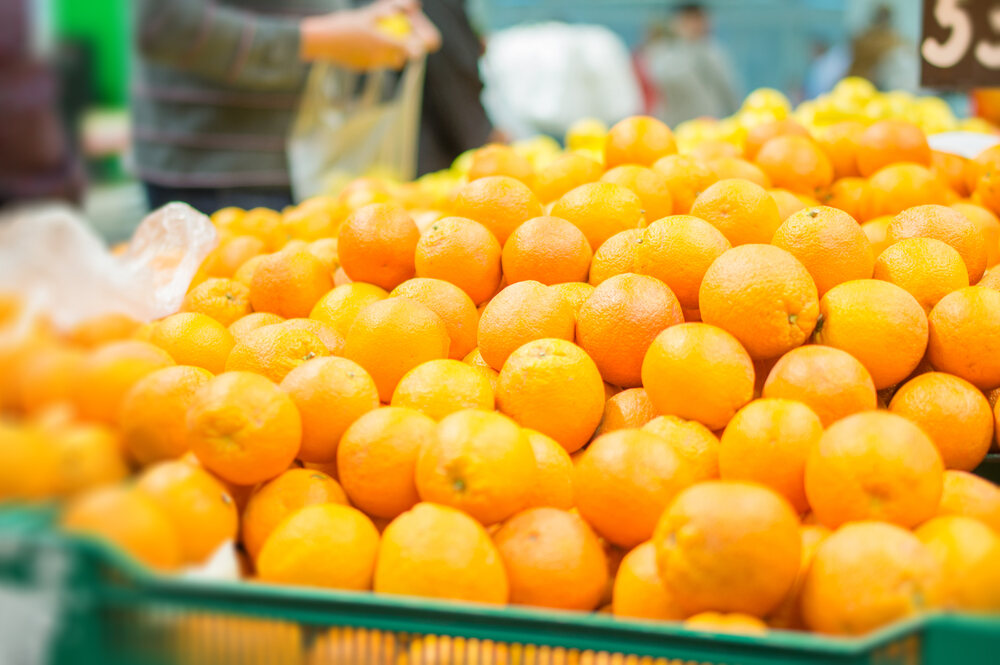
x: 51, y: 257
x: 353, y: 124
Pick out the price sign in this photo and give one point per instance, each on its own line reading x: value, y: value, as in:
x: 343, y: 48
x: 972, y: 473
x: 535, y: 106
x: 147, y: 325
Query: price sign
x: 960, y: 47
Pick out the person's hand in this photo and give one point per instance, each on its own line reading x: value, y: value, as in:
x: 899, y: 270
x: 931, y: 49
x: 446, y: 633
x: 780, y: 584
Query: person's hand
x: 363, y: 39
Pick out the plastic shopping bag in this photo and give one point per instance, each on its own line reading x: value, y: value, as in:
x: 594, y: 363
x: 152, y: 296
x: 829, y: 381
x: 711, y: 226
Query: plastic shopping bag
x: 55, y: 262
x: 353, y: 124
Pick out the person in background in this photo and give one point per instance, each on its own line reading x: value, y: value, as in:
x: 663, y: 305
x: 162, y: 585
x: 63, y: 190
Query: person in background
x: 829, y: 65
x: 217, y: 85
x: 37, y: 160
x: 452, y: 118
x: 691, y: 71
x: 881, y: 55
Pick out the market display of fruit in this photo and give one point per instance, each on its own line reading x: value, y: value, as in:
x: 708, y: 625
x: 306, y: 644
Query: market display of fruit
x: 735, y: 376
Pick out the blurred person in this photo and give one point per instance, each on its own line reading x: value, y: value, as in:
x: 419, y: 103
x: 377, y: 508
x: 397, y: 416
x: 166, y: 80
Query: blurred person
x: 452, y: 118
x: 692, y: 73
x: 881, y: 55
x: 829, y: 64
x: 217, y: 85
x: 37, y: 160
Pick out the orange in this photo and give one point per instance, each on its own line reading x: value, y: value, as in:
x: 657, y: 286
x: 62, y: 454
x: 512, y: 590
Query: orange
x: 743, y: 211
x: 616, y: 255
x: 549, y: 250
x: 552, y: 386
x: 231, y: 253
x: 462, y: 252
x: 624, y: 480
x: 153, y: 411
x: 840, y: 143
x: 620, y: 319
x: 763, y: 296
x: 874, y: 465
x: 376, y: 245
x: 678, y: 250
x: 449, y: 302
x: 438, y: 388
x: 965, y: 336
x: 787, y: 202
x: 729, y: 546
x: 735, y: 623
x: 648, y: 184
x: 878, y: 323
x: 391, y: 337
x: 897, y: 187
x: 500, y: 160
x: 49, y: 376
x: 330, y: 394
x: 242, y: 327
x: 340, y: 277
x: 767, y: 442
x: 991, y: 279
x: 29, y: 463
x: 224, y: 300
x: 327, y: 545
x: 194, y: 339
x: 638, y: 139
x: 764, y: 132
x: 480, y: 462
x: 695, y: 445
x: 988, y: 188
x: 952, y: 412
x: 950, y: 168
x: 988, y: 224
x: 575, y: 293
x: 686, y: 178
x: 88, y: 455
x: 553, y: 484
x: 600, y: 210
x: 289, y: 284
x: 877, y: 231
x: 710, y: 149
x: 276, y: 499
x: 829, y: 381
x: 520, y: 313
x: 500, y: 203
x: 564, y: 173
x: 947, y: 225
x: 475, y: 359
x: 789, y: 613
x: 969, y: 495
x: 377, y: 459
x: 264, y: 224
x: 201, y: 511
x: 101, y: 329
x: 639, y: 591
x: 109, y: 372
x: 698, y: 372
x: 243, y: 428
x: 275, y: 350
x: 926, y: 268
x: 795, y: 163
x: 341, y: 306
x: 314, y: 219
x: 889, y: 141
x: 140, y: 527
x: 867, y: 575
x: 727, y: 168
x: 325, y: 249
x: 974, y: 168
x: 438, y: 552
x: 553, y: 559
x: 829, y: 243
x: 244, y: 274
x: 332, y: 340
x: 629, y: 409
x: 968, y: 550
x: 849, y: 195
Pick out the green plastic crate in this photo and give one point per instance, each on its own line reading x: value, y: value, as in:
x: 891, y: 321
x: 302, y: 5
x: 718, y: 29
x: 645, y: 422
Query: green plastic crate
x: 106, y: 609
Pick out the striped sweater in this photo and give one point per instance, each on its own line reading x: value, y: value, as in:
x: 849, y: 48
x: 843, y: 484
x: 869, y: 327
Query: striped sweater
x: 216, y: 84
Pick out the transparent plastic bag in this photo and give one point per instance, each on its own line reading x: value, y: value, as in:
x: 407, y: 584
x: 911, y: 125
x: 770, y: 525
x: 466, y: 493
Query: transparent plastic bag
x: 353, y: 124
x: 53, y: 259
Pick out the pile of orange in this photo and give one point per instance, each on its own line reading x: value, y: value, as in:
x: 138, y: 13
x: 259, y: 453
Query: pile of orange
x: 742, y: 389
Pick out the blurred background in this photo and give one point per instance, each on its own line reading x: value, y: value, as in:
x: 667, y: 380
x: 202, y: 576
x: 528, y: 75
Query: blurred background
x: 543, y: 63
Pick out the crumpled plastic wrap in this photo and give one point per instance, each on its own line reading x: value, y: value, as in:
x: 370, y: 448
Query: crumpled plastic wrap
x: 54, y: 260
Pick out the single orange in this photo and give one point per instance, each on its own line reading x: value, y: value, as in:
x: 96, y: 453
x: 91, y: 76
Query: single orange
x: 616, y: 255
x: 600, y: 210
x: 549, y: 250
x: 728, y: 168
x: 950, y: 168
x: 678, y: 250
x: 796, y: 163
x: 552, y: 386
x: 965, y: 336
x: 889, y: 141
x: 874, y: 465
x: 840, y: 143
x: 289, y: 284
x: 926, y: 268
x: 850, y: 195
x: 564, y: 173
x: 520, y: 313
x: 743, y: 211
x: 339, y: 307
x: 648, y: 184
x: 639, y: 591
x: 968, y: 550
x: 438, y: 388
x: 989, y: 225
x: 496, y: 159
x: 947, y: 225
x: 638, y: 139
x: 894, y: 188
x: 553, y: 485
x: 500, y: 203
x: 969, y: 495
x: 275, y: 350
x: 462, y: 252
x: 376, y: 245
x: 686, y: 178
x: 224, y: 300
x: 233, y: 252
x: 109, y: 372
x: 194, y: 339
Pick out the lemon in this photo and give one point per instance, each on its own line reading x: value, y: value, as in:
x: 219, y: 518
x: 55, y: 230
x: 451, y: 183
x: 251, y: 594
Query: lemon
x: 396, y: 25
